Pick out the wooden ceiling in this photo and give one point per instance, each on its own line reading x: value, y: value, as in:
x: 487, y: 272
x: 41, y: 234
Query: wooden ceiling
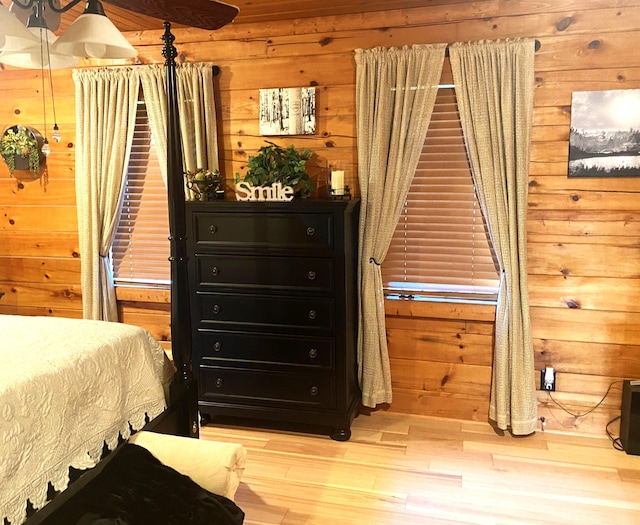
x: 254, y: 10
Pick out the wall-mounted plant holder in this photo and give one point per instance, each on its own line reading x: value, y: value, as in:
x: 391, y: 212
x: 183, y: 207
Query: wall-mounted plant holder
x: 21, y: 150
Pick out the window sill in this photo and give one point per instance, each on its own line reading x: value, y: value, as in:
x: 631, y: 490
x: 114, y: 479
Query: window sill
x: 440, y: 308
x: 142, y: 294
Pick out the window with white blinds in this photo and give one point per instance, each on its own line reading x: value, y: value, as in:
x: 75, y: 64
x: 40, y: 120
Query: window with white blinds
x: 140, y: 251
x: 440, y: 246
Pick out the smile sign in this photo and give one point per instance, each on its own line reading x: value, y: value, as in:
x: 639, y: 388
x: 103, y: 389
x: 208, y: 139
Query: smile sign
x: 275, y: 192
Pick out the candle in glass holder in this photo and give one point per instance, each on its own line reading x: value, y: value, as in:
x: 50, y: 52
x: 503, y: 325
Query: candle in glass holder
x: 337, y: 182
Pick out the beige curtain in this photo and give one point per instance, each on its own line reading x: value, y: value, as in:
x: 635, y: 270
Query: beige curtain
x: 198, y: 125
x: 395, y: 94
x: 153, y: 81
x: 105, y: 119
x: 494, y: 86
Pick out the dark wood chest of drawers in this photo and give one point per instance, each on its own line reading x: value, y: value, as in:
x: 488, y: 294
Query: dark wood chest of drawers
x: 274, y: 310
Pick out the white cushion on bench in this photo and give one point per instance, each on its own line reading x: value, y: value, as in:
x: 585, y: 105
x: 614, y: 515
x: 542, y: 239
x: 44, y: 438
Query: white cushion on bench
x: 213, y: 465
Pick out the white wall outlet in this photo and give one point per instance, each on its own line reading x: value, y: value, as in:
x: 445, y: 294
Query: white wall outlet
x: 548, y: 379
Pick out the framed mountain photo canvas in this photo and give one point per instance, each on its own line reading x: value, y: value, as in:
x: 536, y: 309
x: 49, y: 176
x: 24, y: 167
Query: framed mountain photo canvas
x: 605, y: 134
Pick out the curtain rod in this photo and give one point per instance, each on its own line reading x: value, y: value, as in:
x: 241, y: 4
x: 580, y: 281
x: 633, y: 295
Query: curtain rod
x: 215, y: 70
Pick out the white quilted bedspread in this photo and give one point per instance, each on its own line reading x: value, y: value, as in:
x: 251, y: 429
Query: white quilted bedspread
x: 67, y: 386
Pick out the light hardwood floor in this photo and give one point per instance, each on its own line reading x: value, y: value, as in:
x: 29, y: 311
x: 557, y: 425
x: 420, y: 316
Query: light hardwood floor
x: 401, y: 469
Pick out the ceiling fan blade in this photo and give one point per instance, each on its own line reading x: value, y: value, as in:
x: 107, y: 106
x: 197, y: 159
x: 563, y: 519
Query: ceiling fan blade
x: 205, y: 14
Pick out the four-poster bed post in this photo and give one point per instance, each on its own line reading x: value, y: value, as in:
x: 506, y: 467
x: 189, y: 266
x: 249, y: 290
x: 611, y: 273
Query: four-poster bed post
x: 180, y: 315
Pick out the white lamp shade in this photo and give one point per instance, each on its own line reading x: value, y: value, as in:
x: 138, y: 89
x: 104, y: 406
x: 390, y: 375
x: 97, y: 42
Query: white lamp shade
x: 35, y: 56
x: 14, y: 36
x: 95, y: 36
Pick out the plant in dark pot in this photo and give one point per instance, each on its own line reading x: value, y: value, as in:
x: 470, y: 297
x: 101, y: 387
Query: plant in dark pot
x: 21, y: 148
x: 274, y: 164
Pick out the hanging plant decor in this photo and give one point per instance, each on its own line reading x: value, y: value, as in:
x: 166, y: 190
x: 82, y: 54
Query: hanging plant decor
x: 21, y: 149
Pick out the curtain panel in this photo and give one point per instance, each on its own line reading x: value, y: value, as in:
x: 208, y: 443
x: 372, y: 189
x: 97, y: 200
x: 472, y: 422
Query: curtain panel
x: 105, y: 116
x: 395, y: 93
x: 197, y: 111
x: 494, y: 84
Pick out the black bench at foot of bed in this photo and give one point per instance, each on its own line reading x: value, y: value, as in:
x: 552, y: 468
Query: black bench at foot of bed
x: 134, y: 488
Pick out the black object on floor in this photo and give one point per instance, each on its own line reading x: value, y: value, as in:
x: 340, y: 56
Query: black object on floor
x: 136, y: 489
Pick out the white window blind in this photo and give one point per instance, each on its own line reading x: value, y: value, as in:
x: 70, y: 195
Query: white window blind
x: 140, y: 251
x: 440, y: 246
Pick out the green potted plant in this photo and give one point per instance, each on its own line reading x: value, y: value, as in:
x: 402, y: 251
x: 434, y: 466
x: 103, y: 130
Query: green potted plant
x: 274, y: 163
x: 21, y: 145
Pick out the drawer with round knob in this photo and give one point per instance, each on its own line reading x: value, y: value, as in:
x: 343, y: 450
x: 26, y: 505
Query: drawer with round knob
x: 256, y: 312
x: 264, y: 350
x: 263, y: 387
x: 273, y: 230
x: 267, y: 272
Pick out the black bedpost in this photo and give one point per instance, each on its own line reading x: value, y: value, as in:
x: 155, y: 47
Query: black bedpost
x: 184, y: 385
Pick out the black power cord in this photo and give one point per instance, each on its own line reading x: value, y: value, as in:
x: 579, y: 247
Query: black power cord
x: 591, y: 409
x: 617, y: 444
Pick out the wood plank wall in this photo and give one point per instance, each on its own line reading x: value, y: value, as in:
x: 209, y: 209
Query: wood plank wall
x: 583, y: 235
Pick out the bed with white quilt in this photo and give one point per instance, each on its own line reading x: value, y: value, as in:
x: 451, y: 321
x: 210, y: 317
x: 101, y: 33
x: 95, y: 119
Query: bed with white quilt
x: 67, y: 387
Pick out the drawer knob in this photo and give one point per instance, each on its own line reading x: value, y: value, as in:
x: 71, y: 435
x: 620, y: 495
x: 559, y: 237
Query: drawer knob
x: 311, y: 231
x: 215, y: 270
x: 219, y: 382
x: 213, y: 228
x: 314, y: 390
x: 216, y: 308
x: 311, y: 275
x: 217, y: 346
x: 313, y: 353
x: 313, y: 314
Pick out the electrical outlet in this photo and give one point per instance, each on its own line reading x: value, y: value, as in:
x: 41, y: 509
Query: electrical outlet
x: 548, y: 379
